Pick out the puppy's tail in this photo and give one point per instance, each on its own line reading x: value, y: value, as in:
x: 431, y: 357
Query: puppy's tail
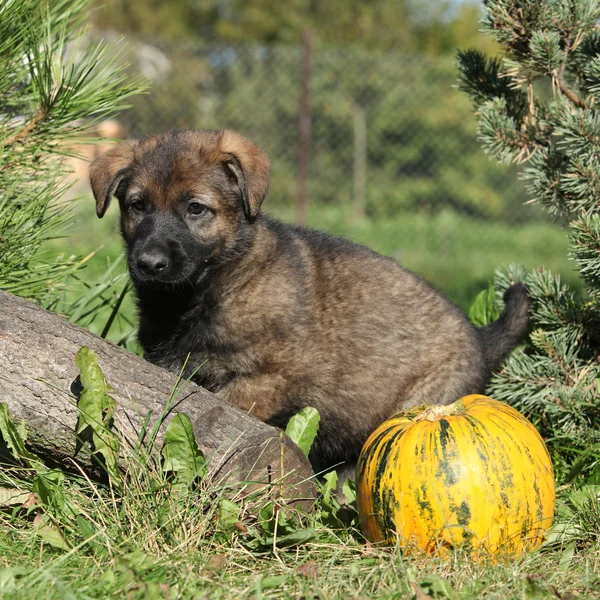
x: 502, y: 336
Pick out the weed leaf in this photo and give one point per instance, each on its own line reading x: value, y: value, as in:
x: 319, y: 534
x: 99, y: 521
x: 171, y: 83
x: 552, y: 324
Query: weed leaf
x: 330, y: 483
x: 296, y: 538
x: 8, y: 579
x: 89, y: 532
x: 303, y: 427
x: 272, y: 582
x: 14, y: 436
x: 48, y: 487
x: 483, y: 311
x: 349, y: 490
x: 96, y: 409
x: 50, y: 533
x: 180, y: 451
x: 567, y: 557
x: 229, y: 515
x: 436, y: 587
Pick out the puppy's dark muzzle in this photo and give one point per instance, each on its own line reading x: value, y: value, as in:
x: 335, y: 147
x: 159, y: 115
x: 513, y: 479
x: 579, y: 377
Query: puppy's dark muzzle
x: 160, y: 261
x: 163, y: 251
x: 152, y: 262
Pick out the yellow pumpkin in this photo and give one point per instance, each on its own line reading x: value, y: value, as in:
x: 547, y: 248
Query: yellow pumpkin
x: 475, y: 474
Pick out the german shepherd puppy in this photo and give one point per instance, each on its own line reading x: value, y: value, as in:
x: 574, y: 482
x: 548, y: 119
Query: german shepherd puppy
x: 279, y: 317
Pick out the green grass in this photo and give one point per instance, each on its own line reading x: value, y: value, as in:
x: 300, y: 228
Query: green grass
x: 150, y: 537
x: 343, y: 570
x: 149, y: 541
x: 456, y: 254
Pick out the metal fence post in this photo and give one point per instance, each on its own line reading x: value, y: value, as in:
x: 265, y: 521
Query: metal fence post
x: 304, y: 129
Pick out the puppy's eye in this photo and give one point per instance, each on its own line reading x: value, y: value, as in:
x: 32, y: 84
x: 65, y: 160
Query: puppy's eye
x: 137, y: 206
x: 195, y: 208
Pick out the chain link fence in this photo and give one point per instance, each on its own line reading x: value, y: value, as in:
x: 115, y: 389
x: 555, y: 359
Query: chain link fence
x: 384, y: 133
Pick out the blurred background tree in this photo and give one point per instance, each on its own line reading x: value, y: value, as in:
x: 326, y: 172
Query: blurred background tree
x: 431, y: 27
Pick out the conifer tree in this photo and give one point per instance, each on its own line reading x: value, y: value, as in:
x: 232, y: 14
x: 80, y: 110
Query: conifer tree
x: 54, y: 87
x: 538, y: 106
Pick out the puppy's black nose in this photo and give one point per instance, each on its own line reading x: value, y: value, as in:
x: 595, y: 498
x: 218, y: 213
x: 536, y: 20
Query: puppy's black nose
x: 152, y: 261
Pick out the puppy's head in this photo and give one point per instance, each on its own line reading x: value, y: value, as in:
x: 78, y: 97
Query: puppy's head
x: 187, y: 198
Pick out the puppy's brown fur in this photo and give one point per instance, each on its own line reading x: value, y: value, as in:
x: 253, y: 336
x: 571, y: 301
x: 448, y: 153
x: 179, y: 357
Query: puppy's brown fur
x: 281, y: 317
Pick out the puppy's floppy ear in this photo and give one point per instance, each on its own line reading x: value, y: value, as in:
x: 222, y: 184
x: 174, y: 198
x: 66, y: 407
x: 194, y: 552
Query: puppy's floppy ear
x: 251, y: 168
x: 107, y: 171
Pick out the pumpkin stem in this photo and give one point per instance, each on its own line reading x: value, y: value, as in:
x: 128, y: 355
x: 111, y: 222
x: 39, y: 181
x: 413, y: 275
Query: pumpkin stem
x: 437, y: 411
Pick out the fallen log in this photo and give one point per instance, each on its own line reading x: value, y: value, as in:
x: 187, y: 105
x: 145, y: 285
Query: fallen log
x: 37, y: 373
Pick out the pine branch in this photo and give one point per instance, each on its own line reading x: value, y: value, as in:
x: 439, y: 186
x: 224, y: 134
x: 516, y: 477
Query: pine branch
x: 26, y: 131
x: 555, y: 378
x: 482, y: 79
x: 564, y: 87
x: 585, y: 250
x: 54, y: 86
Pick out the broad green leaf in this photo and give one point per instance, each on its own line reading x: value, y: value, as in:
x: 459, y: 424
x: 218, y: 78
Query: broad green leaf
x: 86, y: 529
x: 180, y: 451
x: 483, y: 311
x: 329, y: 505
x: 349, y: 490
x: 303, y: 427
x: 586, y: 495
x: 300, y: 536
x: 139, y: 560
x: 566, y: 557
x: 96, y: 409
x: 108, y: 578
x: 8, y: 579
x: 437, y: 587
x: 272, y: 518
x: 229, y: 515
x: 594, y: 476
x: 89, y: 533
x: 53, y: 536
x: 562, y: 532
x: 266, y: 516
x: 14, y: 436
x: 272, y: 582
x: 329, y: 485
x: 50, y: 533
x: 48, y: 485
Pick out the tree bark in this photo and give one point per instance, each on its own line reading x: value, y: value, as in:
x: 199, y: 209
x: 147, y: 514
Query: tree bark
x: 37, y: 370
